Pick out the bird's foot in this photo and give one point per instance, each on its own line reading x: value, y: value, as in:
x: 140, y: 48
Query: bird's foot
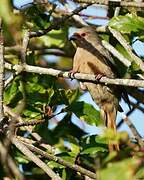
x: 82, y: 86
x: 99, y: 76
x: 71, y: 74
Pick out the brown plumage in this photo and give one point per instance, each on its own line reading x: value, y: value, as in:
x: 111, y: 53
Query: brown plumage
x: 92, y: 58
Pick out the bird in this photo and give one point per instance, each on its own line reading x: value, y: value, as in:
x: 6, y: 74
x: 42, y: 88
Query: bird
x: 91, y: 57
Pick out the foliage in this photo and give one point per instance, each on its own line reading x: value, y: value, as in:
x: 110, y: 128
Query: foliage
x: 53, y: 99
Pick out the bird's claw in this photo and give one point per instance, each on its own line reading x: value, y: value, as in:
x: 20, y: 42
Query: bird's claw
x: 71, y: 74
x: 99, y: 76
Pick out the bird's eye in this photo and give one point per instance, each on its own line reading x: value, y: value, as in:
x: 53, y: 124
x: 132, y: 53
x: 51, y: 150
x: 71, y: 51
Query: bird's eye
x: 83, y: 34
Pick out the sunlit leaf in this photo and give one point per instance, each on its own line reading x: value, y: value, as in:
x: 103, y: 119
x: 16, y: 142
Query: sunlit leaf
x: 121, y: 170
x: 93, y: 150
x: 93, y: 144
x: 128, y: 23
x: 53, y: 164
x: 85, y: 112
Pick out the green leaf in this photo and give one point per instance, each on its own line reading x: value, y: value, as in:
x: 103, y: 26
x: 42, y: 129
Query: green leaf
x: 120, y: 170
x: 128, y: 23
x: 66, y: 97
x: 72, y: 95
x: 74, y: 146
x: 64, y: 174
x: 93, y: 150
x: 33, y: 87
x: 85, y: 112
x: 55, y: 38
x: 12, y: 92
x: 140, y: 173
x: 93, y: 144
x: 67, y: 157
x: 134, y: 69
x: 66, y: 129
x: 53, y: 164
x: 31, y: 113
x: 21, y: 160
x: 36, y: 15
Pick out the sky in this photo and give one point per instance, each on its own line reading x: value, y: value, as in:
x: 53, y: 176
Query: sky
x: 137, y: 117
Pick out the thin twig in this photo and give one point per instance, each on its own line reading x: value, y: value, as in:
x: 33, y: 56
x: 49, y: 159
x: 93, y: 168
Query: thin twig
x: 9, y: 111
x: 29, y: 123
x: 127, y: 114
x: 79, y: 76
x: 24, y: 46
x: 61, y: 161
x: 21, y: 105
x: 36, y: 122
x: 134, y: 131
x: 35, y: 159
x: 136, y: 93
x: 135, y: 106
x: 57, y: 24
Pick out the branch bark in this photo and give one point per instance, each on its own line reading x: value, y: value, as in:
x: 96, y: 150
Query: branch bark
x: 61, y: 161
x: 1, y: 72
x: 11, y: 164
x: 127, y: 47
x: 35, y: 159
x: 79, y: 76
x: 134, y: 131
x: 106, y: 2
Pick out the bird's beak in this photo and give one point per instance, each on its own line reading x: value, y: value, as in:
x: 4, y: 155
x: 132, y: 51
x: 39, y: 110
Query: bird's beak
x: 74, y: 37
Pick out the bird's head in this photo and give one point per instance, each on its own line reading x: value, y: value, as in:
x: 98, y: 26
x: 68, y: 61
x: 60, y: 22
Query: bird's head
x: 83, y: 35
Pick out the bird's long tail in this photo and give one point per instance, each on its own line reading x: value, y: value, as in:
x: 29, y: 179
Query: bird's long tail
x: 109, y: 116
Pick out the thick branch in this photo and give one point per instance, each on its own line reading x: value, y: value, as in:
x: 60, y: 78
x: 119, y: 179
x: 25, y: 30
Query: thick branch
x: 11, y: 164
x: 116, y: 53
x: 79, y: 76
x: 106, y: 2
x: 35, y: 159
x: 61, y: 161
x: 1, y: 72
x: 50, y: 149
x: 127, y: 47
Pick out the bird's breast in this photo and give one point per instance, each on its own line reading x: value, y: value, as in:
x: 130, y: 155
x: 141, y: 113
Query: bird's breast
x: 90, y: 63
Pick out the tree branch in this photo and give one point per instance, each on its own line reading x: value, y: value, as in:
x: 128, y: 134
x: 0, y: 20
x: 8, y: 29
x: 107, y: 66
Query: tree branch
x: 11, y: 164
x: 35, y: 159
x: 116, y: 53
x: 9, y: 111
x: 79, y: 76
x: 127, y: 47
x: 106, y: 2
x: 50, y: 149
x: 134, y: 131
x: 57, y: 23
x: 61, y: 161
x: 1, y: 72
